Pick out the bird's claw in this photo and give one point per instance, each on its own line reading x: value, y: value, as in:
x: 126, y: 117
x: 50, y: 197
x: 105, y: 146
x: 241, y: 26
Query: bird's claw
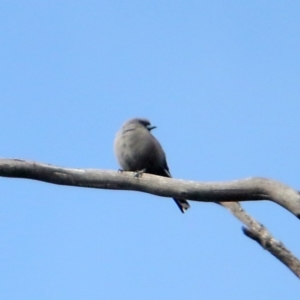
x: 139, y: 174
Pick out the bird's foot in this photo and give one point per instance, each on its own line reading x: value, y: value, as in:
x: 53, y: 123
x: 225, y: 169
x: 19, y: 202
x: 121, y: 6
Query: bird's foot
x: 139, y: 174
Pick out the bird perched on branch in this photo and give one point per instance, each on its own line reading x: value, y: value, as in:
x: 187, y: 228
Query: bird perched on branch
x: 139, y: 151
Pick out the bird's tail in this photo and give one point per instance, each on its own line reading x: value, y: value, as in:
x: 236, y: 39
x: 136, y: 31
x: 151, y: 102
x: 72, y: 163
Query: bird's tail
x: 182, y: 204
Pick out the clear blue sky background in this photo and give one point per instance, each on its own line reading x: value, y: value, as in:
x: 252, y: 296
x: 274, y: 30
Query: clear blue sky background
x: 220, y: 79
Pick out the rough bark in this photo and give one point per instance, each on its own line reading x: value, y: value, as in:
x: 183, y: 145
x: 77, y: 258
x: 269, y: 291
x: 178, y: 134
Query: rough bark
x: 226, y: 194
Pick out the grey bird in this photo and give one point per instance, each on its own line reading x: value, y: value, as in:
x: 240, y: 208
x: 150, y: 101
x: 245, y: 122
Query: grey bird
x: 139, y: 151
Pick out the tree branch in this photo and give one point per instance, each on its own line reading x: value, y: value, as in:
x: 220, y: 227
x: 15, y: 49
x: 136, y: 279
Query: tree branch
x: 224, y: 193
x: 263, y: 237
x: 248, y: 189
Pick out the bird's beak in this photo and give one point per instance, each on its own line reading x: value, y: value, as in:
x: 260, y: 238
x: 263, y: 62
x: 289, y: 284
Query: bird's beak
x: 150, y: 127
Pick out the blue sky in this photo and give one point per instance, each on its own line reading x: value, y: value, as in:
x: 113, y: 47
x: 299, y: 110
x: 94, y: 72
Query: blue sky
x: 219, y: 79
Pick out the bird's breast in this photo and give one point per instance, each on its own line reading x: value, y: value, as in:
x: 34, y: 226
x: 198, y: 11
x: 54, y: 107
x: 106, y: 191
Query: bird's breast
x: 137, y: 151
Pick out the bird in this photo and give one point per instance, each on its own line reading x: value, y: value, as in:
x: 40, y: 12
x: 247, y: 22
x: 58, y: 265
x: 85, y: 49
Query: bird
x: 137, y: 150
